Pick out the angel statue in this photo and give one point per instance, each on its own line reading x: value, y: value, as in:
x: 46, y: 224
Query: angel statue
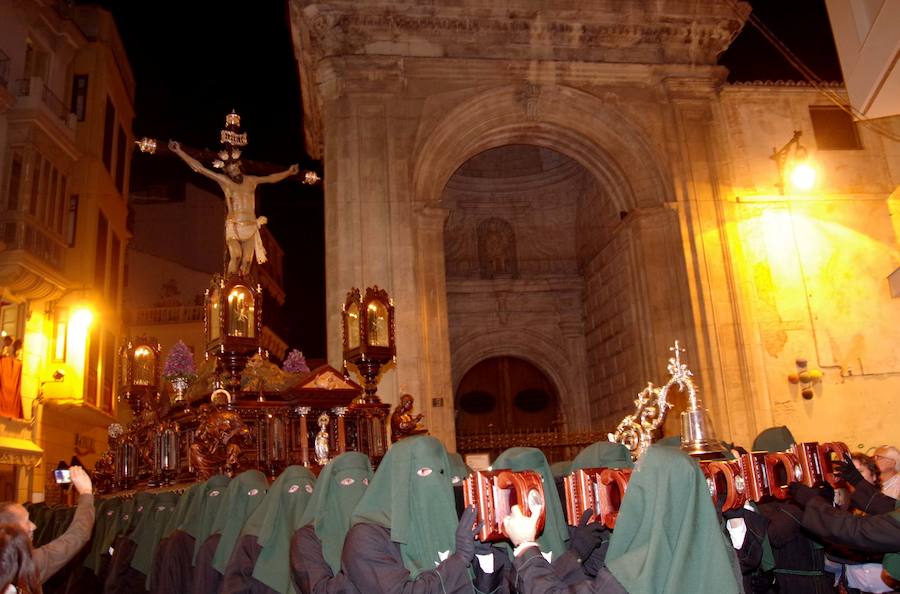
x: 241, y: 223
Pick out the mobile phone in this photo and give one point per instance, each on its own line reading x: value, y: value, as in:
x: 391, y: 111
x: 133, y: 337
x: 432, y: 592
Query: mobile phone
x: 62, y: 476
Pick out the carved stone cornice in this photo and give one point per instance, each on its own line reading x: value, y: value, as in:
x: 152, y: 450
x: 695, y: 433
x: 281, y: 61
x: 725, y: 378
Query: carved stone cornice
x: 526, y: 34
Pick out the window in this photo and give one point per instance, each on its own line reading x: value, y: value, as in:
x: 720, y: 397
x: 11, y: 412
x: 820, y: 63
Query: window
x: 120, y: 161
x: 35, y: 183
x: 37, y: 61
x: 108, y: 371
x: 100, y: 254
x: 60, y: 216
x: 42, y: 194
x: 15, y: 182
x: 477, y: 402
x: 72, y: 220
x: 51, y: 198
x: 834, y: 128
x: 79, y: 96
x: 114, y: 259
x: 109, y: 122
x: 59, y: 334
x: 91, y: 385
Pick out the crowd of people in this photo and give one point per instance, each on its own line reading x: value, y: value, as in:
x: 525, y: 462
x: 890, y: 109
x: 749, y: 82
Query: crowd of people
x: 405, y: 530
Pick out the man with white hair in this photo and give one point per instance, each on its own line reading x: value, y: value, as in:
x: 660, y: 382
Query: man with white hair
x: 887, y: 458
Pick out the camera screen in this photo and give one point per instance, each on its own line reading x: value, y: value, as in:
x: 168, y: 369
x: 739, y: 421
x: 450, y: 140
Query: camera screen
x: 62, y: 476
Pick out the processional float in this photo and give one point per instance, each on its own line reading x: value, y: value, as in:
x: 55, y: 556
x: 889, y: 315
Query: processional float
x: 732, y: 480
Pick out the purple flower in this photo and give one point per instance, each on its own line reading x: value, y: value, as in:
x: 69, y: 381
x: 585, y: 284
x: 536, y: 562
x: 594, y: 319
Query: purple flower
x: 180, y: 362
x: 295, y: 362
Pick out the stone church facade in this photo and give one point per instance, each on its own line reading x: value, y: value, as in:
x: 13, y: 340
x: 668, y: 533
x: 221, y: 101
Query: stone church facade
x: 574, y: 185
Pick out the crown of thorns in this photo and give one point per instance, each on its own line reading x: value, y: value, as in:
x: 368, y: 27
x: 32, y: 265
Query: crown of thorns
x: 232, y: 138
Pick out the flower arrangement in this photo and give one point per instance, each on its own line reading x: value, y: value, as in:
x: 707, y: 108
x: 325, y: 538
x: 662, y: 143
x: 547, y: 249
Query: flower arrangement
x: 295, y: 362
x: 180, y: 363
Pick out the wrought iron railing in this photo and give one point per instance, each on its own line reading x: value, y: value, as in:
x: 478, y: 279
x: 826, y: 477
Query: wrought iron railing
x: 48, y: 97
x: 35, y: 241
x: 556, y: 445
x: 175, y: 314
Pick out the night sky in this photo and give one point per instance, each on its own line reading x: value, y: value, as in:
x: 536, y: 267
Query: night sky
x: 194, y: 61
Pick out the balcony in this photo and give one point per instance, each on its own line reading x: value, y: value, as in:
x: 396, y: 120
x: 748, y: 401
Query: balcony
x: 37, y: 100
x: 176, y: 314
x: 31, y: 261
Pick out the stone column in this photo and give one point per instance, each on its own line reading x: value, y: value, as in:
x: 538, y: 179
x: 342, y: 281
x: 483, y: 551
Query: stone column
x: 720, y: 359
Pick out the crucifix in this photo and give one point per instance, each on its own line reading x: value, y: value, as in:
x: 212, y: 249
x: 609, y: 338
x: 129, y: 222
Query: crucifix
x: 228, y: 170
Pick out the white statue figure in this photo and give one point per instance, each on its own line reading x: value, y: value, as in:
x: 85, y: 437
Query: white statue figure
x: 241, y: 223
x: 321, y: 443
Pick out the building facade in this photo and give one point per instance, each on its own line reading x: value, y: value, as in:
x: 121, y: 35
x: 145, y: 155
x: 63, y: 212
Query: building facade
x: 562, y: 191
x: 65, y: 146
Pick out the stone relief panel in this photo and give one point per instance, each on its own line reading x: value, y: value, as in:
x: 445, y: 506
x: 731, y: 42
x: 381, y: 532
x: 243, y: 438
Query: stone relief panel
x: 497, y: 249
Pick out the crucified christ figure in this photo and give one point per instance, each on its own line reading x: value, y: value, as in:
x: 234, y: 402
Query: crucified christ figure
x: 241, y: 223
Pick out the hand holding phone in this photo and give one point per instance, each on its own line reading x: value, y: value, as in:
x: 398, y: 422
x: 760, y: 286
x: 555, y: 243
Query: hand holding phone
x: 62, y: 476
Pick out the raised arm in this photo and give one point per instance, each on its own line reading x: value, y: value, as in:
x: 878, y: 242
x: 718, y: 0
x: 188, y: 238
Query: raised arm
x: 277, y: 177
x: 193, y: 163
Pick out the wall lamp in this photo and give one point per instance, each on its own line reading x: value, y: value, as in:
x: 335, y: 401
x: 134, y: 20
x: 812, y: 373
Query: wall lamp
x: 794, y: 165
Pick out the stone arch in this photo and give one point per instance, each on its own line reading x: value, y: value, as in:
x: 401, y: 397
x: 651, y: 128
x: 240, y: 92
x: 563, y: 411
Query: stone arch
x: 565, y: 119
x: 547, y: 356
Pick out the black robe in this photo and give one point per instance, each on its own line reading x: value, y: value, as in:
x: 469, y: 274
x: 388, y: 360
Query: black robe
x: 310, y: 572
x: 374, y: 564
x: 799, y: 561
x: 868, y: 498
x: 206, y: 579
x: 173, y: 567
x: 536, y: 576
x: 122, y: 577
x: 238, y: 578
x: 872, y: 534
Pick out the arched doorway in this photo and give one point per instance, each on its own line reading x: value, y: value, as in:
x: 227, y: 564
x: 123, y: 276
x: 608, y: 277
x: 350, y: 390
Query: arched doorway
x: 504, y: 394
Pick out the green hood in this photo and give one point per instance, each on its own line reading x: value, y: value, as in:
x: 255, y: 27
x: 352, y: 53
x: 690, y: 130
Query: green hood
x: 774, y: 439
x: 603, y: 454
x: 672, y: 441
x: 458, y: 469
x: 668, y: 538
x: 274, y: 521
x: 561, y: 469
x: 198, y: 521
x: 148, y: 534
x: 185, y: 502
x: 892, y: 560
x: 107, y: 515
x: 244, y: 494
x: 412, y: 496
x: 556, y: 533
x: 341, y: 485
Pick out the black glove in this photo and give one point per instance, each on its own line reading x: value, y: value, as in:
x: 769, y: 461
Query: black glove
x: 465, y: 535
x: 761, y: 581
x: 846, y: 470
x: 586, y: 537
x: 802, y: 494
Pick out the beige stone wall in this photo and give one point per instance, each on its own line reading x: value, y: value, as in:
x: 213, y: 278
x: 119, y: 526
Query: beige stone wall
x: 812, y: 270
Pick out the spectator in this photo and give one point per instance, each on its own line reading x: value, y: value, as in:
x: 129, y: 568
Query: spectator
x: 887, y: 458
x: 51, y: 557
x: 17, y: 571
x: 867, y: 468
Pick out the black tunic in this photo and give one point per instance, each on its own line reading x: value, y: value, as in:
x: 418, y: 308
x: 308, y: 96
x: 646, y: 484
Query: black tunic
x: 238, y: 578
x: 799, y: 562
x: 536, y: 576
x: 374, y: 564
x: 206, y: 579
x: 174, y: 572
x: 310, y: 572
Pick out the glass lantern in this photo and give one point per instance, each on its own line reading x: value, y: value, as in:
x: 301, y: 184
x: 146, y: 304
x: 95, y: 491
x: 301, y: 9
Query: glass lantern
x: 233, y: 324
x: 368, y: 329
x: 139, y: 370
